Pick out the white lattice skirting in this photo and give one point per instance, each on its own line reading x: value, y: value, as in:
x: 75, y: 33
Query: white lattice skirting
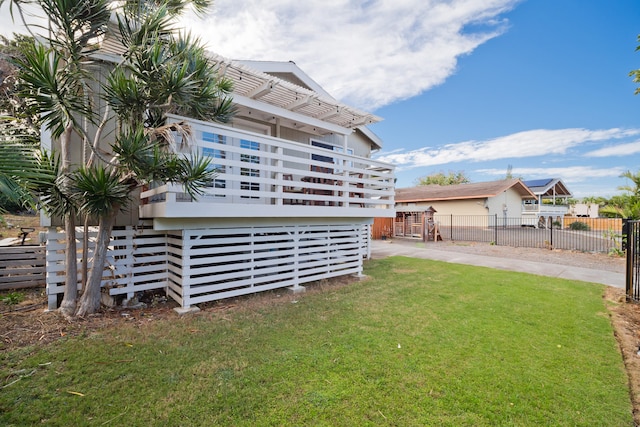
x: 197, y: 266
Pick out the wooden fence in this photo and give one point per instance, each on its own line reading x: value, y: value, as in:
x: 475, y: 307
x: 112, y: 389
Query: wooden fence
x: 22, y: 267
x: 136, y: 261
x: 382, y: 227
x: 597, y: 224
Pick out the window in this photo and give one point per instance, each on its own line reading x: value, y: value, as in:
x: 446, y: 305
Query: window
x: 329, y: 159
x: 246, y: 171
x: 215, y: 153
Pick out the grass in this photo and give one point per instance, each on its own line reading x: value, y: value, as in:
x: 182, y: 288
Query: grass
x: 419, y: 343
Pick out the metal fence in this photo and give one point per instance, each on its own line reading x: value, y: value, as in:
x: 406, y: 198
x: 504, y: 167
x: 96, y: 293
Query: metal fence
x: 631, y: 244
x: 510, y: 231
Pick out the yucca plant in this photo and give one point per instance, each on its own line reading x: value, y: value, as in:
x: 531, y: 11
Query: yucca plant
x: 162, y: 72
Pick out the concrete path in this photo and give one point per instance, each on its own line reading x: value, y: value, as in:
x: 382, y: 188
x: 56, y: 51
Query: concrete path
x: 382, y: 249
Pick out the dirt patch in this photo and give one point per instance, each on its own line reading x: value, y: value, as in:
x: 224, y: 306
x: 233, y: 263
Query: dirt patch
x: 27, y: 323
x: 625, y: 318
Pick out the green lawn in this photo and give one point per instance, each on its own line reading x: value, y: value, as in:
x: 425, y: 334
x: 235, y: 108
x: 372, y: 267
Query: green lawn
x: 418, y: 343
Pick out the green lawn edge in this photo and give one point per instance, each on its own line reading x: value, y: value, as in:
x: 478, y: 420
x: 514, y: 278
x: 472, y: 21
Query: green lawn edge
x: 418, y: 342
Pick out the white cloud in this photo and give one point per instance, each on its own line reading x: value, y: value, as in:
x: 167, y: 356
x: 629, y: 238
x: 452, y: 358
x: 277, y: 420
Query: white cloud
x: 368, y: 53
x: 531, y: 143
x: 571, y: 174
x: 616, y: 150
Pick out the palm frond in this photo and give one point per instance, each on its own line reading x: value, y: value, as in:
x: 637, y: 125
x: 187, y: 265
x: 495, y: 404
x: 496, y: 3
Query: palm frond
x: 98, y: 191
x: 76, y: 25
x: 53, y: 199
x: 193, y: 173
x: 56, y: 92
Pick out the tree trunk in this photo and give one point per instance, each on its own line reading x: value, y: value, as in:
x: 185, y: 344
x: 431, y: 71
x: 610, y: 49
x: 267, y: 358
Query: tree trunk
x: 85, y: 244
x: 68, y: 305
x: 90, y: 299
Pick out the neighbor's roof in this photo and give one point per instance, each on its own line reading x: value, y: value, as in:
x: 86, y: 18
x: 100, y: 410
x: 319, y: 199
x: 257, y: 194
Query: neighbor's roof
x: 478, y: 190
x: 548, y: 187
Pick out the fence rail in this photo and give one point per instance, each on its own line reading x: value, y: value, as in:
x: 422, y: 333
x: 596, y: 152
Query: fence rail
x: 136, y: 261
x: 22, y: 267
x: 510, y: 231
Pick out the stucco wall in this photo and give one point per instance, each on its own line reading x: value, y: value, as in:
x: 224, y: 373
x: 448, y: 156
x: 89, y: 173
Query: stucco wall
x: 509, y: 199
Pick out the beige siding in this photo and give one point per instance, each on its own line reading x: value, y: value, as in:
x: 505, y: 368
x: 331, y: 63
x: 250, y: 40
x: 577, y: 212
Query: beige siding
x: 510, y: 199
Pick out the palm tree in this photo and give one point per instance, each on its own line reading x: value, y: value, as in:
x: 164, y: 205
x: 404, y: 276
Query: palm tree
x: 625, y: 205
x: 20, y: 175
x: 53, y: 77
x: 162, y: 72
x: 634, y: 187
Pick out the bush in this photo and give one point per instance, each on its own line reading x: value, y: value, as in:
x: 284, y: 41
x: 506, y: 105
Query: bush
x: 580, y: 226
x: 12, y: 298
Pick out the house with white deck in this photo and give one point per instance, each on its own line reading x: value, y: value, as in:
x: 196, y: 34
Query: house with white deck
x: 550, y: 205
x: 293, y: 200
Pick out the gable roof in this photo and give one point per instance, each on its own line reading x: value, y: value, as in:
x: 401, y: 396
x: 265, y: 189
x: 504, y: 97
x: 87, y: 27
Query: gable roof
x: 288, y: 71
x: 548, y: 187
x: 477, y: 190
x: 291, y: 95
x: 270, y: 89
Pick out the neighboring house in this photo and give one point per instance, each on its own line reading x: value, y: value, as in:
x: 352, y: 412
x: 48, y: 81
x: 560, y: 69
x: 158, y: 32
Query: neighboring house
x: 502, y: 198
x: 585, y: 210
x: 550, y: 204
x: 293, y: 201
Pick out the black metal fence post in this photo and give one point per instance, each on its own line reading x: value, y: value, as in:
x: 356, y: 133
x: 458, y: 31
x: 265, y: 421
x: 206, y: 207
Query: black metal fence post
x: 451, y: 228
x: 551, y: 236
x: 495, y: 238
x: 626, y: 239
x: 631, y: 235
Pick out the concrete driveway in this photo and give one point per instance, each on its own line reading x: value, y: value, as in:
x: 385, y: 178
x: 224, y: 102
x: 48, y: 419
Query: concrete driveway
x: 409, y: 248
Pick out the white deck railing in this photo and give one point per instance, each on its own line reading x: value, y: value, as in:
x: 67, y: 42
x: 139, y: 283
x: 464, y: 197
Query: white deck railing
x: 273, y: 173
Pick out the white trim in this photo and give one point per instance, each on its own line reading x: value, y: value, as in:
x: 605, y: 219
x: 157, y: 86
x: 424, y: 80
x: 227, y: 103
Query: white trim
x: 290, y: 115
x: 250, y: 126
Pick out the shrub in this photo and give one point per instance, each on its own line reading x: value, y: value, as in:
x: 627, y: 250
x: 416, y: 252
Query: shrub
x: 580, y: 226
x: 12, y: 298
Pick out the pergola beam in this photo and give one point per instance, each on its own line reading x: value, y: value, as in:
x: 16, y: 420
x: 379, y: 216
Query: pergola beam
x: 262, y: 90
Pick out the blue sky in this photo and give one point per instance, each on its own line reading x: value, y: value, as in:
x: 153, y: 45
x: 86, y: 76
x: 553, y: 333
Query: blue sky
x: 550, y: 96
x: 463, y: 85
